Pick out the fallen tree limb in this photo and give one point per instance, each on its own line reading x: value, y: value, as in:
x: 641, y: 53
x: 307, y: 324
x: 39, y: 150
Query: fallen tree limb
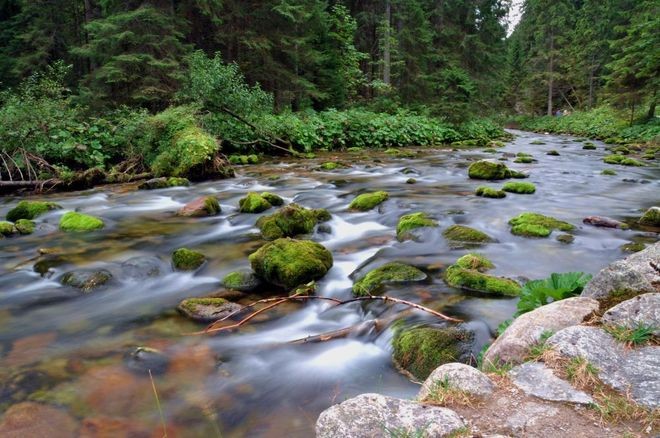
x: 404, y: 302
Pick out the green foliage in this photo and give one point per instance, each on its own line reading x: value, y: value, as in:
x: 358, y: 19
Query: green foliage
x: 635, y: 336
x: 537, y: 293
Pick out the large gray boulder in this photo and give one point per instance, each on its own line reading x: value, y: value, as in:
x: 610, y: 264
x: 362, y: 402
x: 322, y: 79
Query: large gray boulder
x: 642, y: 310
x: 376, y: 416
x: 627, y: 371
x: 638, y: 273
x: 536, y: 379
x: 514, y: 344
x: 459, y: 376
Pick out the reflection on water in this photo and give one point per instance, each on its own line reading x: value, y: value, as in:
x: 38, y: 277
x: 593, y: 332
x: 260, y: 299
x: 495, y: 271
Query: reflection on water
x: 72, y: 351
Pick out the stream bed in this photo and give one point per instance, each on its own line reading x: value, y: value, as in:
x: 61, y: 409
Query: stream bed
x: 78, y: 351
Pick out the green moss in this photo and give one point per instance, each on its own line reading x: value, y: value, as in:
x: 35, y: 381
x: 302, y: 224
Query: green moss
x: 177, y: 182
x: 273, y: 199
x: 523, y: 154
x: 253, y: 203
x: 330, y: 165
x: 243, y: 159
x: 484, y: 169
x: 7, y: 229
x: 516, y: 174
x: 411, y: 181
x: 621, y: 150
x: 537, y: 225
x: 633, y: 247
x: 30, y: 210
x: 211, y: 205
x: 566, y: 238
x: 243, y: 281
x: 25, y: 226
x: 474, y: 280
x: 589, y: 146
x: 289, y: 263
x: 537, y: 142
x: 367, y: 201
x: 490, y: 151
x: 420, y: 350
x: 609, y: 172
x: 496, y: 144
x: 622, y: 160
x: 86, y: 281
x: 461, y: 233
x: 290, y: 221
x: 412, y: 221
x: 524, y: 160
x: 474, y: 261
x: 185, y: 259
x: 393, y: 272
x: 253, y: 159
x: 489, y: 192
x: 552, y: 153
x: 73, y: 221
x: 651, y: 217
x: 522, y: 188
x: 191, y: 304
x: 354, y: 149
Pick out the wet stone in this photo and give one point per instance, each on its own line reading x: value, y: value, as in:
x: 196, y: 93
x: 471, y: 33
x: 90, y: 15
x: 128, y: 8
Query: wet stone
x: 144, y: 359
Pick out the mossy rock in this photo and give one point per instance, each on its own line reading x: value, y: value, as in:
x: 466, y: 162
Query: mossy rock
x: 253, y: 203
x: 633, y: 247
x: 609, y: 172
x: 290, y: 221
x: 242, y: 281
x: 273, y: 199
x: 474, y: 261
x: 490, y: 151
x: 589, y: 146
x: 354, y: 149
x: 621, y: 150
x: 30, y: 210
x: 489, y: 192
x: 163, y: 183
x: 243, y: 159
x: 565, y: 238
x: 463, y: 234
x: 409, y: 222
x: 73, y: 221
x: 367, y: 201
x: 207, y: 309
x: 651, y: 217
x: 496, y: 144
x: 7, y: 229
x: 184, y: 259
x: 553, y: 153
x: 200, y: 207
x: 473, y: 280
x: 25, y: 226
x: 524, y: 160
x: 331, y: 165
x: 489, y: 170
x: 537, y: 142
x: 393, y: 272
x: 622, y: 160
x: 521, y: 188
x: 420, y: 350
x: 289, y: 263
x: 537, y: 225
x: 411, y: 181
x: 86, y: 280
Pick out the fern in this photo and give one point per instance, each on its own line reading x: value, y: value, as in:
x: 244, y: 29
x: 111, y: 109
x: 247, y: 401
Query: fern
x: 537, y: 293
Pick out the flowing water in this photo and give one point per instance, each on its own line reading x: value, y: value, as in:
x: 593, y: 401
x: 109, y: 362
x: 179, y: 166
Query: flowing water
x: 72, y: 350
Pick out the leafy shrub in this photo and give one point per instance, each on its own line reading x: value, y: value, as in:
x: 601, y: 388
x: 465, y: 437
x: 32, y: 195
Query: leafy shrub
x: 537, y: 293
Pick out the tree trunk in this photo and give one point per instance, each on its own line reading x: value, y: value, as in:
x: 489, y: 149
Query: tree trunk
x: 387, y: 49
x: 591, y: 89
x: 632, y: 112
x: 550, y: 74
x: 651, y: 112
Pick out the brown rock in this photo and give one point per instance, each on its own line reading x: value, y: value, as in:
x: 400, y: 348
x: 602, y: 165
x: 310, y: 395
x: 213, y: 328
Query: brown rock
x: 605, y: 222
x: 200, y: 207
x: 107, y: 427
x: 36, y: 420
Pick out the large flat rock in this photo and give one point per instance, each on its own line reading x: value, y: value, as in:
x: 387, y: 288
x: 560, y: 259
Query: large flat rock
x: 536, y: 379
x: 376, y: 416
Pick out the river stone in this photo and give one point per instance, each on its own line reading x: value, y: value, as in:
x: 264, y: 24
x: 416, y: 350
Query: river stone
x: 86, y: 280
x: 207, y: 309
x: 29, y: 419
x: 460, y: 376
x: 642, y: 310
x: 375, y: 415
x: 604, y: 222
x: 142, y: 267
x: 626, y: 371
x: 513, y: 345
x: 634, y: 273
x: 200, y: 207
x: 536, y: 379
x: 651, y: 217
x: 244, y: 280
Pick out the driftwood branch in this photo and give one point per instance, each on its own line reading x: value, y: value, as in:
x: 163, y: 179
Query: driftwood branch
x: 255, y: 128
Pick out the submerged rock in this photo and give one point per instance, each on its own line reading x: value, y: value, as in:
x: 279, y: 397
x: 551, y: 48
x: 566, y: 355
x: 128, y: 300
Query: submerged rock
x: 393, y: 272
x: 243, y: 281
x: 73, y: 221
x: 651, y: 217
x: 464, y: 234
x: 538, y: 380
x: 253, y: 203
x: 163, y: 183
x: 565, y: 238
x: 184, y: 259
x: 142, y: 267
x: 289, y: 263
x: 604, y: 222
x: 145, y: 359
x: 86, y: 280
x: 375, y: 415
x: 622, y: 160
x: 412, y: 221
x: 30, y: 210
x: 367, y: 201
x: 290, y: 221
x: 207, y: 309
x: 200, y: 207
x: 7, y: 229
x: 460, y: 376
x: 537, y: 225
x: 473, y: 280
x: 25, y: 226
x: 489, y: 192
x: 421, y: 349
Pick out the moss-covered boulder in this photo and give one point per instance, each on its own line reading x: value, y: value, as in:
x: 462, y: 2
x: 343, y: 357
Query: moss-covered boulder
x: 476, y: 281
x: 163, y: 183
x: 290, y: 221
x: 651, y: 217
x: 393, y: 272
x: 489, y: 192
x: 73, y: 221
x: 411, y: 181
x: 633, y: 247
x: 367, y: 201
x: 30, y: 210
x: 25, y: 226
x: 409, y: 222
x: 7, y: 229
x: 420, y: 350
x: 273, y: 199
x: 289, y: 263
x: 552, y: 153
x: 244, y: 159
x: 490, y: 170
x: 609, y: 172
x: 200, y: 207
x: 474, y: 261
x: 537, y: 142
x: 464, y: 234
x: 207, y: 309
x: 184, y: 259
x: 622, y: 160
x: 86, y: 280
x: 253, y: 203
x: 521, y: 188
x: 524, y: 160
x: 589, y: 146
x: 537, y: 225
x: 331, y: 165
x: 243, y: 281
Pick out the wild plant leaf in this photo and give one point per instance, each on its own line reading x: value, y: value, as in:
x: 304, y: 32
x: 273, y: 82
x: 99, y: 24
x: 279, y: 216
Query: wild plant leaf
x: 536, y: 293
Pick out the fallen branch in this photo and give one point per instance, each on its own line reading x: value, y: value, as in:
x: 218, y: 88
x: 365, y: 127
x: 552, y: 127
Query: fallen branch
x: 407, y: 303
